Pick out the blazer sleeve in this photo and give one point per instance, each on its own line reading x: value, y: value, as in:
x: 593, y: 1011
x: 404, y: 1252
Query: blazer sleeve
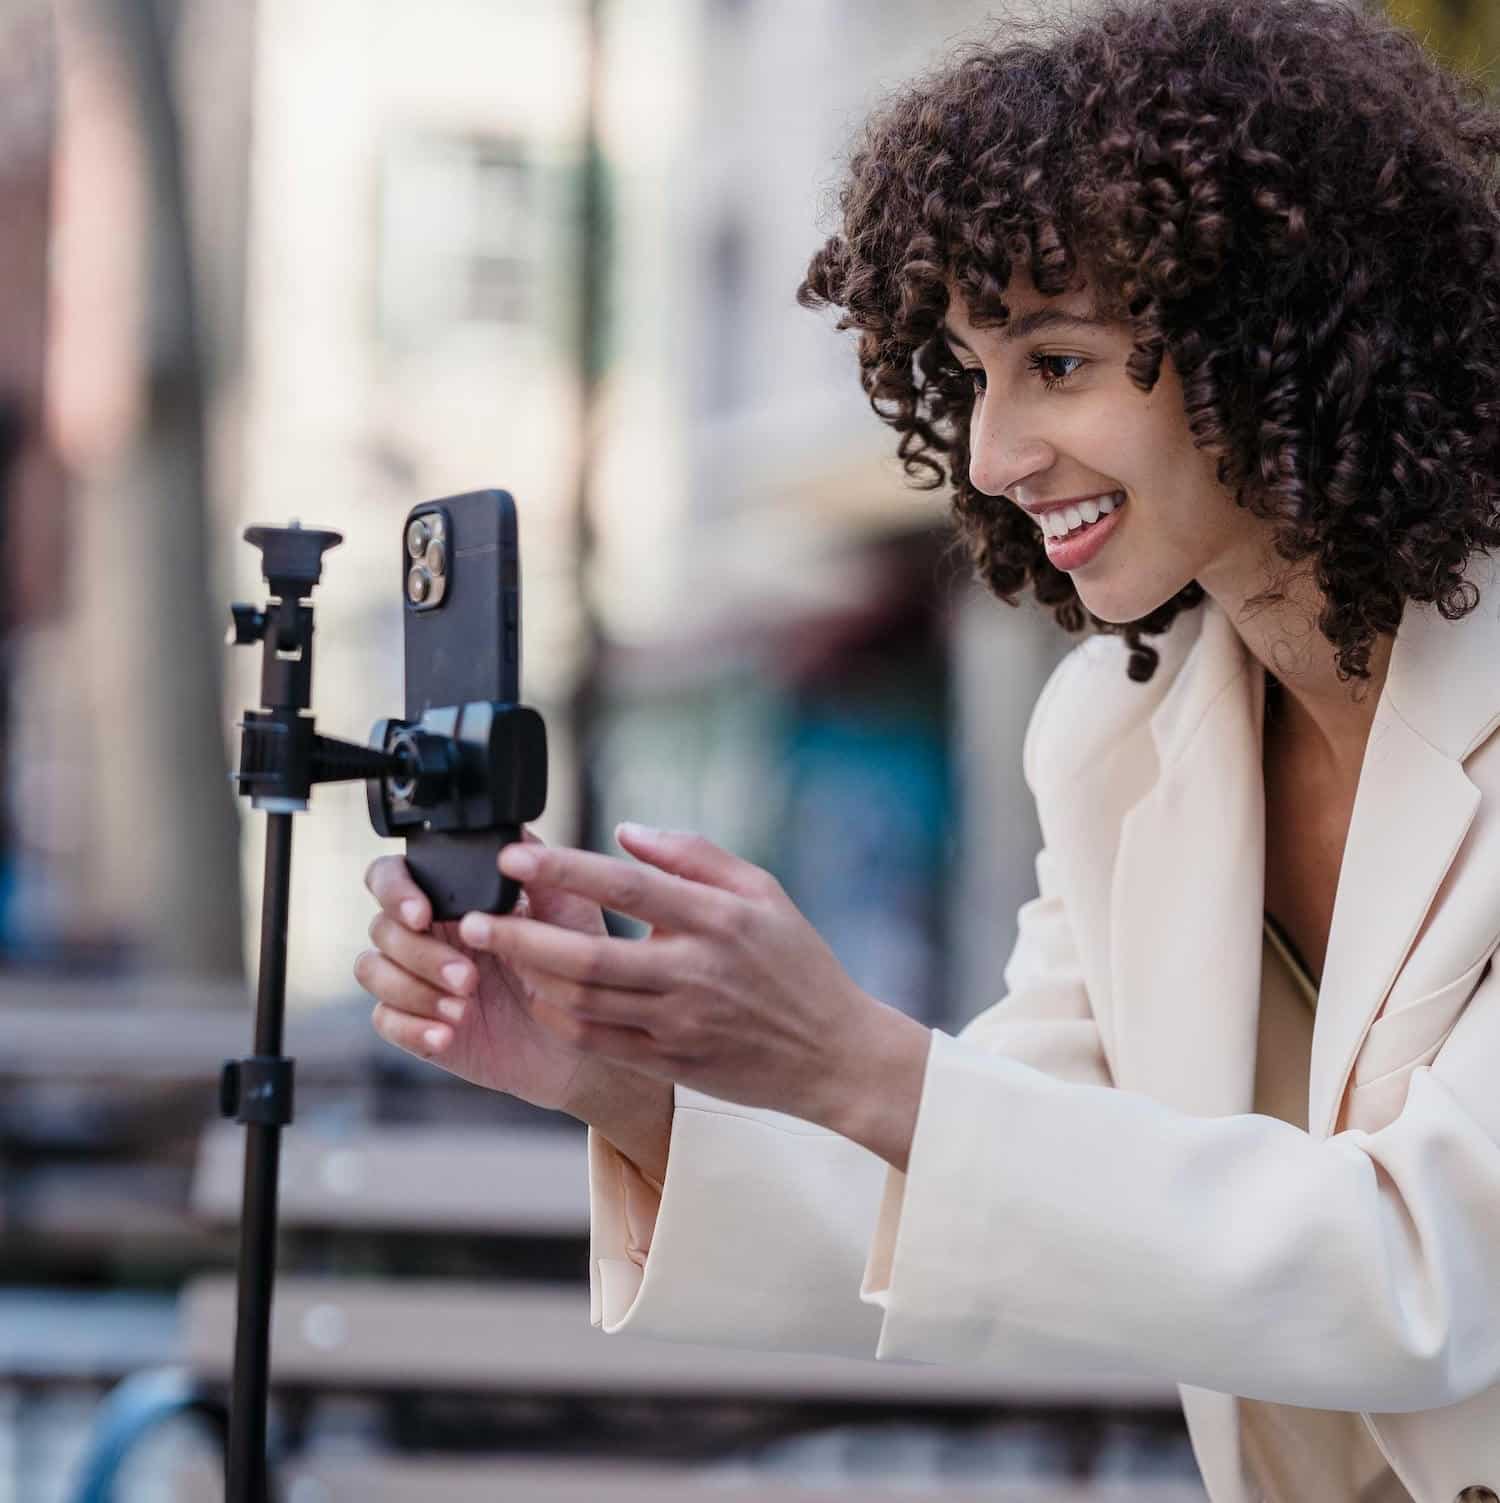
x: 759, y: 1235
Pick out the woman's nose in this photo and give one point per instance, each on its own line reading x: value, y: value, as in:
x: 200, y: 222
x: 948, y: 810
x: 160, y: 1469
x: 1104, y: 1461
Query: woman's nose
x: 999, y: 461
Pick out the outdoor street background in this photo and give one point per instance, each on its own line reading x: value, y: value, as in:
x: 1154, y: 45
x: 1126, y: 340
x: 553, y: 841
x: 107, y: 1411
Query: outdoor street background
x: 324, y: 259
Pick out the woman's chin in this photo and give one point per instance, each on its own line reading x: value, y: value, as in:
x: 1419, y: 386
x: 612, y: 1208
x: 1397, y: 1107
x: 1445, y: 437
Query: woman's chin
x: 1109, y: 607
x: 1120, y: 607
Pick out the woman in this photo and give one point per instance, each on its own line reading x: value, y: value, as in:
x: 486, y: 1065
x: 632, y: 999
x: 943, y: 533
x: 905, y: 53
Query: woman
x: 1195, y: 302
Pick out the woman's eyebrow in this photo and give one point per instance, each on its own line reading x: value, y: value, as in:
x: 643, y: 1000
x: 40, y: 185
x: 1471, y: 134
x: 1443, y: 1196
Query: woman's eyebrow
x: 1032, y: 323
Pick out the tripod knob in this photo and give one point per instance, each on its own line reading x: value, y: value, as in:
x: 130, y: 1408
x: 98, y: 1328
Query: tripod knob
x: 249, y: 625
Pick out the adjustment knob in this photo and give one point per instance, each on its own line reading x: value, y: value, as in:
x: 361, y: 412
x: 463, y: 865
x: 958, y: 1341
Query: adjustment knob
x: 249, y: 625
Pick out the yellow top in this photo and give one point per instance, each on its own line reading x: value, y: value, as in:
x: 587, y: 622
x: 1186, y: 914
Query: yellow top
x: 1292, y: 1453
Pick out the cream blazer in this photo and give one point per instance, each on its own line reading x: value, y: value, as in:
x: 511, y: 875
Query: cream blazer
x: 1089, y: 1190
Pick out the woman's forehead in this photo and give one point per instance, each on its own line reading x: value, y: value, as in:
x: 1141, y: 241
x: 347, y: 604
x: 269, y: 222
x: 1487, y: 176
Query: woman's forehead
x: 1022, y: 302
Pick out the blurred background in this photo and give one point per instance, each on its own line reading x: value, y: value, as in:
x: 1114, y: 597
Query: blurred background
x: 264, y: 260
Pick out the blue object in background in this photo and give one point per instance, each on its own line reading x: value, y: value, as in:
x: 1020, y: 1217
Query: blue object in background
x: 10, y: 940
x: 865, y: 841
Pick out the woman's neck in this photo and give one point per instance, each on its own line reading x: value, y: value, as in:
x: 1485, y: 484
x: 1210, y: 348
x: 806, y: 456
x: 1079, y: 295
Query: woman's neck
x: 1325, y: 718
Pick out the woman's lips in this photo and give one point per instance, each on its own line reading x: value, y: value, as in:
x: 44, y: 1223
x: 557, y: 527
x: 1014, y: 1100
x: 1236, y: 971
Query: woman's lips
x: 1081, y: 546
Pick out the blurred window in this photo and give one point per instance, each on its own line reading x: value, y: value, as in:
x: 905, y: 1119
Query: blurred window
x: 456, y: 245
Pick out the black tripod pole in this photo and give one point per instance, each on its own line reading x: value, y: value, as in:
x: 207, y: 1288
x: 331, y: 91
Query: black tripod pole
x: 246, y: 1480
x: 281, y: 758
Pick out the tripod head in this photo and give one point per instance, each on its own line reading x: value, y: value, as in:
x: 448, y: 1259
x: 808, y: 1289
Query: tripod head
x: 281, y: 754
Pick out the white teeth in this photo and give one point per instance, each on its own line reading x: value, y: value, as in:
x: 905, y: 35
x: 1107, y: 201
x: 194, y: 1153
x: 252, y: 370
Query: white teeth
x: 1058, y: 524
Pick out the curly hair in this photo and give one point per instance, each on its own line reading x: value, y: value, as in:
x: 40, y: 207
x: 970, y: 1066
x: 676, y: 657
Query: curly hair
x: 1293, y: 200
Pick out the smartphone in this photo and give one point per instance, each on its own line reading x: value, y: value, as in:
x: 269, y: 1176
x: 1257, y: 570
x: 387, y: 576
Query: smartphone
x: 461, y: 589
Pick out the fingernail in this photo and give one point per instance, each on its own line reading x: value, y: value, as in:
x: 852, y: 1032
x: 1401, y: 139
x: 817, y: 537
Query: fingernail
x: 435, y: 1038
x: 516, y: 861
x: 411, y: 911
x: 457, y: 975
x: 452, y: 1009
x: 473, y: 928
x: 632, y: 831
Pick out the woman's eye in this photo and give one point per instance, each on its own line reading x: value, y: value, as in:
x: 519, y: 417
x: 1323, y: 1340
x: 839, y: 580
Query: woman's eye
x: 1038, y: 363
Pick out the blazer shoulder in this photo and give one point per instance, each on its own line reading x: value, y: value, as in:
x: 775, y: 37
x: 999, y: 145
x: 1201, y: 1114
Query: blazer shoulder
x: 1090, y: 702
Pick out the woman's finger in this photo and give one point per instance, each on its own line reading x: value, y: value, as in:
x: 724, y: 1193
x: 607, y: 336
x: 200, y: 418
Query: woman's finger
x: 592, y: 959
x: 424, y: 955
x: 658, y: 898
x: 696, y: 858
x: 416, y: 1035
x: 552, y: 904
x: 390, y: 880
x: 387, y: 982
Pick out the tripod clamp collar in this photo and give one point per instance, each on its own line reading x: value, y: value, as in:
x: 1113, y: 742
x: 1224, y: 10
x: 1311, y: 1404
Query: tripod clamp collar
x: 257, y: 1089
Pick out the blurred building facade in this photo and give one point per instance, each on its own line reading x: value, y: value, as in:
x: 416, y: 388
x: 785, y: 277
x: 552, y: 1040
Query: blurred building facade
x: 387, y: 208
x: 414, y: 270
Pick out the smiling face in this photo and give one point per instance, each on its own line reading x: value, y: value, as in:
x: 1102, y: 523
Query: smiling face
x: 1057, y: 418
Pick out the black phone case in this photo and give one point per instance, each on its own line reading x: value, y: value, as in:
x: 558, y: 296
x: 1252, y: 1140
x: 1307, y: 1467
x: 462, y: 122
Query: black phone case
x: 466, y: 648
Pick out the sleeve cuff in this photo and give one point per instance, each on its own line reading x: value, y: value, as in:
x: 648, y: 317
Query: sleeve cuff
x: 625, y: 1203
x: 875, y: 1287
x: 756, y: 1238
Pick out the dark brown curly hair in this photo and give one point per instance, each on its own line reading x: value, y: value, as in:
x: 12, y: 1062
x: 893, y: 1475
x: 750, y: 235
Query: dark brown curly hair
x: 1292, y: 199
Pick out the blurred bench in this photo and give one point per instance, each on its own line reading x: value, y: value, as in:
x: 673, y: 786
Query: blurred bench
x: 380, y: 1333
x: 129, y: 1030
x: 400, y: 1480
x: 83, y: 1336
x: 370, y: 1334
x: 445, y: 1180
x: 502, y: 1340
x: 447, y: 1334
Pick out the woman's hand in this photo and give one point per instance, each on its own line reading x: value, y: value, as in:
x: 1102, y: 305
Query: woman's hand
x: 466, y: 1009
x: 732, y: 993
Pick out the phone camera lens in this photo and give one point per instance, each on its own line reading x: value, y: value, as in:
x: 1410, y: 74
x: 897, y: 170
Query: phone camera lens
x: 418, y: 584
x: 416, y: 537
x: 437, y: 557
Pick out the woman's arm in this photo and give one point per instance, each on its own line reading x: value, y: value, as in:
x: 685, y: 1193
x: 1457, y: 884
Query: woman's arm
x: 764, y: 1229
x: 634, y: 1112
x: 1056, y: 1225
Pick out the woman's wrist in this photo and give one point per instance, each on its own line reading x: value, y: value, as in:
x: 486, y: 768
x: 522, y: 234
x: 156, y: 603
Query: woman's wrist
x: 879, y: 1094
x: 634, y: 1111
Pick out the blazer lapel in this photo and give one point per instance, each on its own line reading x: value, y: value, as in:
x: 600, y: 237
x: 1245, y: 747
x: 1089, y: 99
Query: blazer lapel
x: 1185, y: 902
x: 1412, y: 811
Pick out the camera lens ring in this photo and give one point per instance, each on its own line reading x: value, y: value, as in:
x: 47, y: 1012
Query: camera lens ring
x: 418, y: 534
x: 418, y: 584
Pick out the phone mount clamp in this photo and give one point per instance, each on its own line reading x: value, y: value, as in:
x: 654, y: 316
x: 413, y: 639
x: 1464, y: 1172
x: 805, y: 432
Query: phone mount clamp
x: 462, y: 767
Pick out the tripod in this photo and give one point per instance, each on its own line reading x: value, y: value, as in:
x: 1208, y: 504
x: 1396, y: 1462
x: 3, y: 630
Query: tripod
x: 281, y: 757
x: 459, y: 769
